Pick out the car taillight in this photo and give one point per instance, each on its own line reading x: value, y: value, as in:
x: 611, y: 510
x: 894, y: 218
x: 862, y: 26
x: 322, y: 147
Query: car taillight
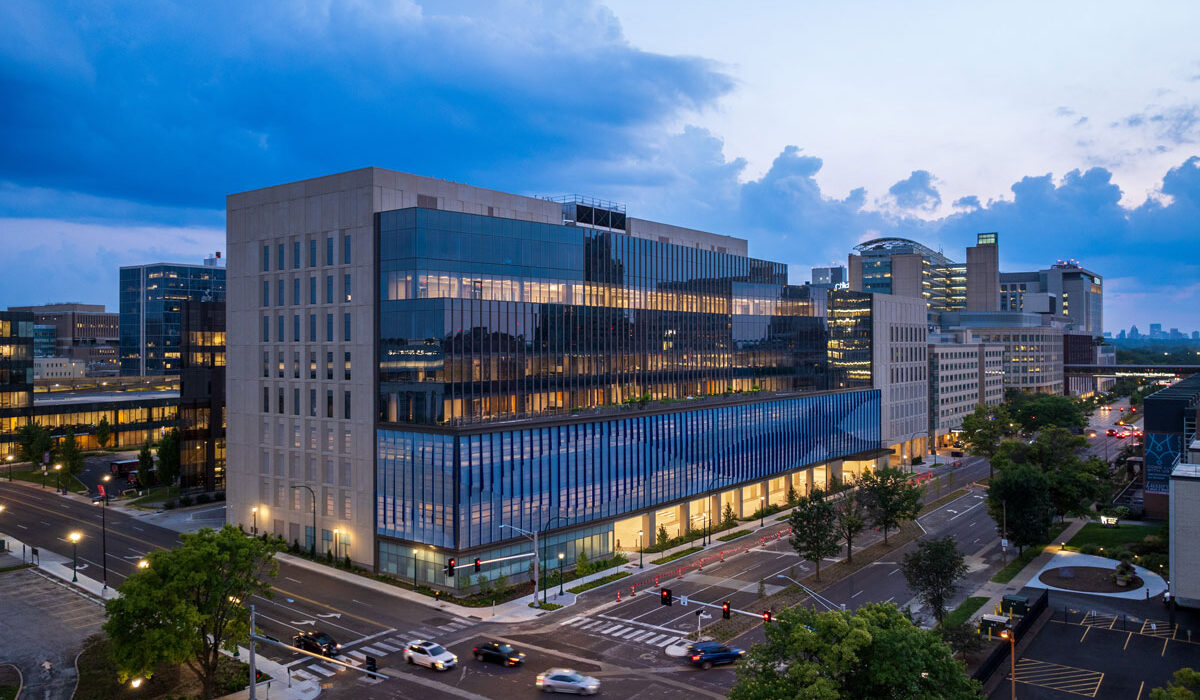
x: 475, y: 650
x: 696, y: 657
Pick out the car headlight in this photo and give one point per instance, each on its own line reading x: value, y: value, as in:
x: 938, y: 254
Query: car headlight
x: 439, y: 664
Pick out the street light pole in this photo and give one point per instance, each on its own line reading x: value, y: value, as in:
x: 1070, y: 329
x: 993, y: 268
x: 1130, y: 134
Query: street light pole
x: 560, y: 578
x: 57, y: 479
x: 74, y: 537
x: 254, y: 525
x: 103, y: 541
x: 536, y: 563
x: 335, y: 545
x: 9, y: 459
x: 762, y: 511
x: 414, y: 553
x: 1012, y: 656
x: 640, y: 566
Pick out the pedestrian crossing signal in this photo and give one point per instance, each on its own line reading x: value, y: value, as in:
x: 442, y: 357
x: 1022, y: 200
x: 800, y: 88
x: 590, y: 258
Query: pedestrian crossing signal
x: 665, y: 597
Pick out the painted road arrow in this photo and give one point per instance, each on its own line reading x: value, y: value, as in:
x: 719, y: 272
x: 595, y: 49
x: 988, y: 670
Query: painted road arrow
x: 337, y: 615
x: 304, y: 622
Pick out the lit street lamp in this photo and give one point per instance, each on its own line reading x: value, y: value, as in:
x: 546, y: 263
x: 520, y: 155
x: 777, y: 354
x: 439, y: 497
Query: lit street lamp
x: 74, y: 537
x: 143, y: 564
x: 57, y: 479
x: 103, y: 540
x: 560, y: 579
x: 762, y: 511
x: 1012, y: 648
x: 414, y: 568
x: 640, y: 550
x: 9, y: 459
x: 254, y: 526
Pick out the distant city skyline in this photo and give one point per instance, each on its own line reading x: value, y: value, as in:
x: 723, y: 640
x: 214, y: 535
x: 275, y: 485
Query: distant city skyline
x: 700, y: 118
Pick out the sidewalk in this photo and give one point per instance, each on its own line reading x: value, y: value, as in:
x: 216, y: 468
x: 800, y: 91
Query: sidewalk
x: 58, y: 566
x: 995, y: 591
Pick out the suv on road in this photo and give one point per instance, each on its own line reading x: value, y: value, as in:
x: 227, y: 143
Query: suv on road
x: 709, y: 654
x: 317, y: 643
x: 429, y: 655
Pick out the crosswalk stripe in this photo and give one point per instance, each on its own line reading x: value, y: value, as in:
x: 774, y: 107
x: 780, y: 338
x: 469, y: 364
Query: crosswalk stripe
x: 592, y: 625
x: 638, y: 637
x: 385, y: 646
x: 331, y: 669
x: 574, y: 621
x: 321, y: 670
x: 446, y: 628
x: 373, y: 651
x: 357, y: 654
x: 396, y: 641
x: 304, y: 675
x: 631, y: 633
x: 667, y: 641
x: 614, y: 631
x: 655, y: 639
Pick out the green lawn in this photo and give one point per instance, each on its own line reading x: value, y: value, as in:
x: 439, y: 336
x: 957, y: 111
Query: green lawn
x: 155, y: 494
x: 964, y: 611
x: 1113, y: 538
x: 733, y: 535
x: 1014, y: 567
x: 677, y: 555
x: 599, y: 582
x: 35, y: 477
x: 8, y: 692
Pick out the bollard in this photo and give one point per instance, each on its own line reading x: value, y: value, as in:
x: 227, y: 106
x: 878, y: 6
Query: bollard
x: 722, y: 555
x: 656, y: 582
x: 633, y: 590
x: 618, y: 595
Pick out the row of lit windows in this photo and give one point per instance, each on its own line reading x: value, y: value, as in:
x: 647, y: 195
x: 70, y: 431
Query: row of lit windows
x: 312, y: 402
x: 281, y: 365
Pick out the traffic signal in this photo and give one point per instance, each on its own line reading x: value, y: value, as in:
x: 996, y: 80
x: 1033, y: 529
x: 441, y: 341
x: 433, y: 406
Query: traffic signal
x: 478, y: 563
x: 725, y: 610
x: 766, y: 616
x: 665, y: 597
x: 450, y: 567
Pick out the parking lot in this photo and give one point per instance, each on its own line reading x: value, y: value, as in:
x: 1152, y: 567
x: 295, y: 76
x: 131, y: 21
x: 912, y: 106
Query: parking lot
x: 1103, y: 656
x: 42, y: 629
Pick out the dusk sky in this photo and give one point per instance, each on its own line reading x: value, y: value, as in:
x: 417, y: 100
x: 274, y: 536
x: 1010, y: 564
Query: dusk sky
x: 1070, y: 128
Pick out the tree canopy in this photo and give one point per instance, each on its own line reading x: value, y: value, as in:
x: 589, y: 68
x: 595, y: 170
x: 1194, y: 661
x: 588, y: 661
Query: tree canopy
x: 188, y: 604
x: 1074, y: 483
x: 933, y: 571
x: 874, y: 652
x: 1026, y: 491
x: 1034, y: 412
x: 103, y: 432
x: 69, y: 453
x: 985, y: 428
x: 890, y: 498
x: 169, y: 457
x: 1185, y: 685
x: 33, y: 442
x: 814, y: 529
x: 850, y: 520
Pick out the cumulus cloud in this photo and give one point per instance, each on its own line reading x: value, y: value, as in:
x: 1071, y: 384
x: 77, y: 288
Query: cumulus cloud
x: 916, y: 192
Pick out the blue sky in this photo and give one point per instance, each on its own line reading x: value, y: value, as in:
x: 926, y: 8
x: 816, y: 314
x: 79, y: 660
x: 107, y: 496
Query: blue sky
x: 1070, y: 128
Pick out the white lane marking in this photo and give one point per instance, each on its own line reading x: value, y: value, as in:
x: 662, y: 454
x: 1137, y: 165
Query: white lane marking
x: 890, y: 599
x: 447, y: 628
x: 373, y: 651
x: 893, y: 571
x: 967, y: 510
x: 667, y: 641
x: 655, y: 639
x: 304, y: 675
x: 321, y: 670
x: 856, y: 595
x: 388, y: 647
x: 22, y: 526
x: 135, y: 527
x: 293, y: 579
x: 358, y: 655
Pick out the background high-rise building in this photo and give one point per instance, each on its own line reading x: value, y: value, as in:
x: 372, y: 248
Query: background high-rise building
x: 152, y: 298
x: 833, y: 277
x: 83, y: 332
x: 16, y: 375
x: 906, y: 268
x: 1063, y: 289
x: 983, y: 274
x: 963, y: 373
x: 202, y: 396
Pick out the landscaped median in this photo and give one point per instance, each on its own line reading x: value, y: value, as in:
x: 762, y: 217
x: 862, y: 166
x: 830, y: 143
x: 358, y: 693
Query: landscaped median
x: 599, y: 582
x: 1022, y: 560
x: 676, y: 555
x: 964, y: 611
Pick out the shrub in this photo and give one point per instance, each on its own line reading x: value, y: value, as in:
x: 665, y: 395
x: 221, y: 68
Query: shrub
x: 663, y: 537
x: 1089, y: 549
x: 219, y: 496
x: 918, y: 459
x: 168, y: 504
x: 203, y: 498
x: 346, y: 561
x: 185, y: 501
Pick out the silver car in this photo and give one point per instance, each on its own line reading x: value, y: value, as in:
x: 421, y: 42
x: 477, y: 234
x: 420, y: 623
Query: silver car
x: 565, y: 680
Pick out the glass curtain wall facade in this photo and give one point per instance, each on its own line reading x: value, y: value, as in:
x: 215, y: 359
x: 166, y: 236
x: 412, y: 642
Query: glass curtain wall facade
x: 16, y: 376
x: 202, y: 397
x: 151, y: 305
x: 943, y: 282
x: 454, y: 489
x: 850, y: 339
x: 484, y: 318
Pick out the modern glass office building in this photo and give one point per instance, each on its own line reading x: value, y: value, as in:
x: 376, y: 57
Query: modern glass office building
x: 521, y: 367
x: 16, y: 376
x: 151, y: 302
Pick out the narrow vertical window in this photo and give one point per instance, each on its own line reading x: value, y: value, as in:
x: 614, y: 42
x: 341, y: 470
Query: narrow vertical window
x: 266, y: 258
x: 279, y: 300
x: 266, y: 399
x: 266, y: 331
x: 279, y: 253
x: 329, y: 403
x: 312, y: 290
x: 312, y: 328
x: 346, y: 249
x: 266, y: 293
x: 346, y: 285
x: 282, y: 329
x: 347, y: 377
x: 312, y: 405
x: 328, y: 289
x: 296, y: 402
x: 329, y: 250
x: 312, y: 252
x: 346, y: 327
x: 295, y: 255
x: 296, y: 328
x: 296, y: 291
x: 329, y: 328
x: 346, y: 405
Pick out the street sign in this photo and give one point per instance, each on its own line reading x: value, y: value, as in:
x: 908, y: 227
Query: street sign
x: 101, y: 488
x: 1004, y: 544
x: 683, y: 600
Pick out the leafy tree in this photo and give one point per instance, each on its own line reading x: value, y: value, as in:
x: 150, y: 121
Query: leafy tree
x: 890, y: 498
x: 933, y: 571
x: 145, y: 461
x: 1048, y: 410
x: 1026, y: 490
x: 963, y: 638
x: 793, y: 496
x: 1075, y: 484
x: 1184, y: 686
x: 662, y: 536
x: 850, y: 520
x: 169, y: 458
x: 874, y: 652
x: 985, y: 428
x: 103, y: 432
x: 188, y: 604
x: 33, y: 442
x: 727, y: 517
x: 814, y: 529
x: 69, y: 453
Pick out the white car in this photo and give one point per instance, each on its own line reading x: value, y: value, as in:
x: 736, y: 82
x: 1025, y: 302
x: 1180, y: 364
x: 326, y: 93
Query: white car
x: 565, y: 680
x: 430, y: 655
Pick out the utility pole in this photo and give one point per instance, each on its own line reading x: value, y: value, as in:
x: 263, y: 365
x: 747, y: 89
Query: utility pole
x: 536, y: 554
x: 1004, y: 532
x: 253, y: 673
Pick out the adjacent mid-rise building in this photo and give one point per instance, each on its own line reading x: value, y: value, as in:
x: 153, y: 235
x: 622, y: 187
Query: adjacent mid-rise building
x: 202, y: 396
x: 152, y: 298
x: 963, y: 373
x: 431, y: 369
x: 16, y: 376
x: 1033, y: 346
x: 1064, y: 289
x: 86, y: 333
x: 879, y: 340
x: 833, y: 277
